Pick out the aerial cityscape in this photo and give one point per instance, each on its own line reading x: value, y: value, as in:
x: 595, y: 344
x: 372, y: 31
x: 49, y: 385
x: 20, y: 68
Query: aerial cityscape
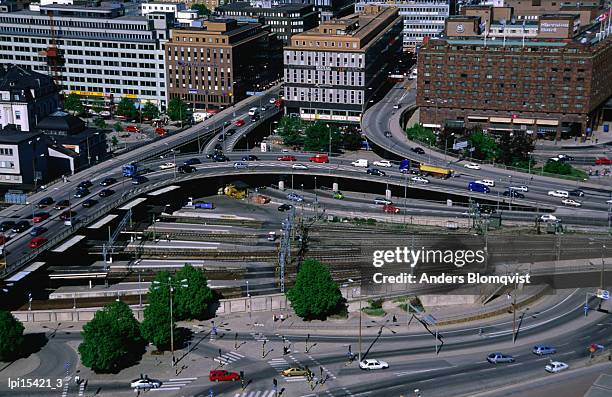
x: 305, y: 198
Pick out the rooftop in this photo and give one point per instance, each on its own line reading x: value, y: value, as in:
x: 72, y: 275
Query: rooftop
x: 13, y: 77
x: 12, y: 136
x: 245, y: 6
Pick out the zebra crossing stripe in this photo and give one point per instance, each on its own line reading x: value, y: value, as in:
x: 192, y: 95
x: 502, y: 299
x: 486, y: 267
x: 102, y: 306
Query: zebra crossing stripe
x: 256, y: 393
x: 228, y: 357
x: 82, y: 389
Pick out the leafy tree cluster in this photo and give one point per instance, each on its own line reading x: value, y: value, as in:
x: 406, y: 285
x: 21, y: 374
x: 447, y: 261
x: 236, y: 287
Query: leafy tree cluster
x: 118, y: 127
x: 485, y: 146
x: 421, y: 134
x: 514, y: 149
x: 73, y: 104
x: 178, y: 110
x: 112, y: 340
x: 100, y: 123
x: 319, y: 135
x: 315, y: 295
x: 557, y: 167
x: 150, y: 111
x: 201, y: 9
x: 11, y: 336
x: 291, y: 129
x: 126, y: 108
x: 351, y: 138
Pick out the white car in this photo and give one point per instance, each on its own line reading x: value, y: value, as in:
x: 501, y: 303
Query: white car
x: 609, y: 201
x: 370, y: 364
x: 299, y: 166
x: 166, y: 166
x: 521, y: 188
x: 558, y: 193
x: 549, y: 218
x: 383, y: 163
x: 556, y: 366
x: 472, y: 166
x: 419, y: 179
x: 572, y: 203
x: 145, y: 383
x: 272, y: 100
x: 397, y: 106
x: 486, y: 182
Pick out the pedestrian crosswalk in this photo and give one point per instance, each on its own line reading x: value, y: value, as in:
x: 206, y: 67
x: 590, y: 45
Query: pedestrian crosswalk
x: 174, y: 384
x: 256, y: 393
x: 258, y: 336
x: 228, y: 358
x: 279, y: 364
x: 82, y: 389
x: 326, y: 372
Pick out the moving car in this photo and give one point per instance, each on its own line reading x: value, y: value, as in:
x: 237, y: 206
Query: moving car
x: 603, y: 161
x: 338, y: 195
x: 571, y: 203
x: 497, y: 358
x: 390, y: 208
x: 220, y: 157
x: 418, y: 150
x: 40, y: 217
x: 382, y: 201
x: 250, y: 157
x: 108, y: 182
x: 388, y: 134
x: 486, y: 182
x: 21, y: 226
x: 37, y: 231
x: 576, y: 193
x: 239, y: 123
x: 299, y: 166
x: 472, y: 166
x: 360, y: 163
x: 295, y: 371
x: 542, y: 350
x: 38, y: 242
x: 186, y: 169
x: 253, y: 111
x: 166, y: 166
x: 286, y: 157
x: 549, y: 218
x: 272, y: 100
x: 555, y: 366
x: 89, y: 203
x: 80, y: 193
x: 86, y: 184
x: 295, y: 197
x: 513, y: 194
x: 145, y: 383
x: 319, y: 158
x: 521, y: 188
x: 139, y: 180
x: 161, y: 131
x: 221, y: 138
x: 192, y: 161
x: 219, y: 375
x: 45, y: 202
x: 419, y: 179
x: 559, y: 193
x: 240, y: 165
x: 375, y: 171
x: 370, y: 364
x: 66, y: 215
x: 383, y: 163
x: 284, y: 207
x: 396, y: 106
x: 6, y: 226
x: 255, y: 118
x: 478, y: 187
x: 106, y: 192
x: 60, y: 205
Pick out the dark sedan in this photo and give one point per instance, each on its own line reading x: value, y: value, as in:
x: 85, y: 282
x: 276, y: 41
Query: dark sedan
x: 106, y: 192
x: 375, y: 171
x: 108, y: 182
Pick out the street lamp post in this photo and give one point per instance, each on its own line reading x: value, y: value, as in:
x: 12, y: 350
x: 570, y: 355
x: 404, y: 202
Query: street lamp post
x: 171, y: 286
x: 249, y: 297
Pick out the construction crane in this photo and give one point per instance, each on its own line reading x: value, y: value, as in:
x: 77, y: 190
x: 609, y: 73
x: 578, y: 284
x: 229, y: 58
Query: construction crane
x: 53, y: 55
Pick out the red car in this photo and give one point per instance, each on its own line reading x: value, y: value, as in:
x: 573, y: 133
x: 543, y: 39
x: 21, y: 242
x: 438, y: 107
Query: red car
x: 279, y: 103
x: 66, y: 215
x: 286, y: 158
x: 390, y: 208
x: 239, y: 123
x: 319, y: 158
x: 39, y: 217
x: 161, y: 131
x: 38, y: 242
x: 132, y: 128
x: 222, y: 376
x: 603, y: 161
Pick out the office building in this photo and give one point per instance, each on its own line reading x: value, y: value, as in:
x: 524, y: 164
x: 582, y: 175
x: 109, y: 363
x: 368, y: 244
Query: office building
x: 422, y: 18
x: 214, y: 66
x: 98, y: 52
x: 327, y: 9
x: 332, y: 71
x: 23, y: 158
x: 550, y: 78
x: 26, y: 97
x: 284, y: 20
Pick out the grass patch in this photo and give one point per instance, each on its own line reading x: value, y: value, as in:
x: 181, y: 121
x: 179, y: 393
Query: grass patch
x: 374, y: 308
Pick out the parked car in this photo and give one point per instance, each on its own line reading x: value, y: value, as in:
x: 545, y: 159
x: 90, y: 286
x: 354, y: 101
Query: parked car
x: 89, y: 203
x: 295, y: 371
x: 419, y: 179
x: 37, y: 231
x: 6, y: 226
x: 108, y: 181
x: 513, y: 194
x: 45, y: 202
x: 375, y: 171
x: 286, y: 157
x: 418, y: 150
x: 284, y: 207
x: 38, y: 242
x: 383, y: 163
x: 295, y: 197
x: 549, y: 218
x: 576, y: 193
x: 250, y: 157
x: 472, y: 166
x: 106, y: 192
x: 370, y: 364
x: 497, y: 358
x: 542, y: 350
x: 40, y: 217
x: 21, y: 226
x: 390, y: 208
x: 299, y: 166
x: 219, y: 375
x: 186, y: 169
x: 145, y: 383
x: 571, y: 203
x: 555, y: 366
x: 132, y: 128
x: 192, y: 161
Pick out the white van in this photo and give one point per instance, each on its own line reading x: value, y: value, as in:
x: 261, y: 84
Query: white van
x: 253, y: 111
x: 559, y: 193
x: 360, y: 163
x: 486, y: 182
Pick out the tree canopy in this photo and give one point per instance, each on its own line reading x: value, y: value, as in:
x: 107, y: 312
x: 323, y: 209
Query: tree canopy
x: 192, y: 302
x: 177, y: 109
x: 201, y: 9
x: 318, y: 136
x: 11, y: 336
x: 291, y: 129
x: 156, y: 324
x: 74, y: 104
x: 351, y: 139
x: 315, y: 294
x: 150, y: 111
x: 126, y: 108
x: 421, y: 134
x: 485, y: 146
x: 112, y: 340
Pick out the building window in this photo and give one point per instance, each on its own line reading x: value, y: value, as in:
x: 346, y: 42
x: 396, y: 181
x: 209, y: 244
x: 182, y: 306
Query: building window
x: 17, y: 115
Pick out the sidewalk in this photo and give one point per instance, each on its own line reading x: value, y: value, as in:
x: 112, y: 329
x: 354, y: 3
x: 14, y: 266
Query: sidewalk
x: 598, y: 138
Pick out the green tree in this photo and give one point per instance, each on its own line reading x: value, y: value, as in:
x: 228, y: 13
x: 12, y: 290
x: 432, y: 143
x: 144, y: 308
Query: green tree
x: 11, y: 336
x: 192, y: 302
x: 118, y: 127
x: 112, y: 340
x: 557, y: 167
x: 201, y: 9
x: 97, y: 106
x: 177, y: 109
x: 114, y: 140
x: 150, y: 111
x: 514, y: 149
x: 291, y: 129
x: 351, y: 139
x: 315, y: 294
x: 319, y: 135
x: 100, y: 123
x: 485, y: 146
x: 421, y: 134
x: 126, y: 108
x: 73, y: 104
x: 156, y: 324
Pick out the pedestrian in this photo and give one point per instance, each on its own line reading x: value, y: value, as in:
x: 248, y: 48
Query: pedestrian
x: 394, y: 319
x: 77, y: 379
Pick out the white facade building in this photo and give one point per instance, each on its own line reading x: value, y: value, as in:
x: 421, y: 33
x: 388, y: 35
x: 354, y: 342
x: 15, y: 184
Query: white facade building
x: 171, y: 8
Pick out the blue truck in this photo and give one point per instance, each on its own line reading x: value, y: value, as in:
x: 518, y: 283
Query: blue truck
x: 204, y: 205
x: 404, y: 165
x: 478, y: 187
x: 130, y: 170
